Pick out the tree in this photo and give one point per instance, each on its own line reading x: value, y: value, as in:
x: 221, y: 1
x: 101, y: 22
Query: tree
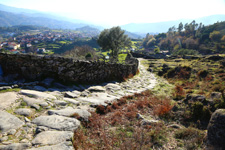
x: 113, y: 39
x: 157, y: 50
x: 223, y: 38
x: 215, y: 36
x: 180, y: 27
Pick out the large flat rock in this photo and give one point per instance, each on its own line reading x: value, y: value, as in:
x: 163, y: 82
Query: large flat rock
x: 24, y: 111
x: 32, y: 101
x: 72, y: 94
x: 91, y: 100
x: 8, y: 121
x: 37, y: 94
x: 15, y: 146
x: 57, y: 122
x: 111, y: 86
x: 6, y: 99
x: 69, y: 111
x: 98, y: 98
x: 103, y: 97
x: 52, y: 137
x: 96, y: 89
x: 73, y: 101
x: 60, y: 146
x: 35, y: 103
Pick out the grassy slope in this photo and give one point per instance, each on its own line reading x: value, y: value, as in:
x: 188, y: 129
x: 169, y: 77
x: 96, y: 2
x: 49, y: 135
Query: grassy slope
x: 179, y: 125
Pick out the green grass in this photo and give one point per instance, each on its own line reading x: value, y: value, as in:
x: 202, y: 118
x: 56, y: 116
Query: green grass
x: 10, y: 90
x: 122, y: 58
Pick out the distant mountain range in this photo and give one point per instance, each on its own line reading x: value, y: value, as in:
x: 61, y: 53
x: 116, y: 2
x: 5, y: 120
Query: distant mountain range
x: 160, y: 27
x: 11, y: 16
x: 11, y: 19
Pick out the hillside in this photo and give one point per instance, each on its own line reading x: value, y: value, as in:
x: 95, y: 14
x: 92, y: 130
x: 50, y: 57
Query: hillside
x: 35, y: 13
x: 160, y: 27
x: 10, y: 19
x: 89, y: 30
x: 190, y: 39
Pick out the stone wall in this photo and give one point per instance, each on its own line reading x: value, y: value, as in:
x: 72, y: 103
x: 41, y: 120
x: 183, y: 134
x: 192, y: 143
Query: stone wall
x: 149, y: 56
x: 35, y: 67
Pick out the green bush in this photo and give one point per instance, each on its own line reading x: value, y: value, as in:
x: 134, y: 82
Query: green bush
x: 88, y: 56
x: 185, y: 52
x: 203, y: 73
x: 197, y: 110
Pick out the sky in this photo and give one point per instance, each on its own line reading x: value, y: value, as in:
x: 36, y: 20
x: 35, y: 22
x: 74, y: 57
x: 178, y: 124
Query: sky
x: 120, y: 12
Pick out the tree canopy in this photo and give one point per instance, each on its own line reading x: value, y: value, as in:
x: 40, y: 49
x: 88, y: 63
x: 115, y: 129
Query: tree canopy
x: 197, y: 38
x: 113, y: 39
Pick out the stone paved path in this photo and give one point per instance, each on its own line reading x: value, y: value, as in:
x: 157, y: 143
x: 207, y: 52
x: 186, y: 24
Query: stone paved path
x: 37, y: 120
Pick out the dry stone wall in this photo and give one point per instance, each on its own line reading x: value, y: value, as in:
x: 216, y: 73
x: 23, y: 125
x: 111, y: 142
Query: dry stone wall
x: 35, y: 67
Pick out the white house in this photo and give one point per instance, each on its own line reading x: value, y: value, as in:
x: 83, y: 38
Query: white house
x: 13, y: 45
x: 29, y: 45
x: 41, y: 50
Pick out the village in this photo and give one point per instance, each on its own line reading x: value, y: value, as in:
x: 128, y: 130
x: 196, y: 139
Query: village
x: 39, y: 42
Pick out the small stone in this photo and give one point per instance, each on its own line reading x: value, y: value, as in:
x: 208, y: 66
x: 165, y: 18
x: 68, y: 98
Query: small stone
x: 113, y: 87
x: 29, y: 124
x: 26, y: 119
x: 23, y: 112
x: 41, y: 129
x: 139, y: 116
x: 215, y: 95
x: 149, y: 122
x: 195, y: 97
x: 32, y: 101
x: 11, y: 132
x: 61, y: 103
x: 73, y: 101
x: 37, y: 107
x: 44, y: 104
x: 96, y: 89
x: 24, y: 141
x: 15, y: 86
x: 5, y: 87
x: 175, y: 126
x: 5, y: 138
x: 71, y: 95
x: 84, y: 93
x: 18, y: 134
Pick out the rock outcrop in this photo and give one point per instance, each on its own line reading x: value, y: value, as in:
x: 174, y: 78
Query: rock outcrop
x: 216, y: 130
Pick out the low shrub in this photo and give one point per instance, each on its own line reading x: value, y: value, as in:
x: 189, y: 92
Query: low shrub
x: 179, y: 72
x: 119, y: 128
x: 179, y: 93
x: 202, y: 73
x: 193, y: 138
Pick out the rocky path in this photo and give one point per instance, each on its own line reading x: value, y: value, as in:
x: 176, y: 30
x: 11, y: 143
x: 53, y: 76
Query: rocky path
x: 37, y: 118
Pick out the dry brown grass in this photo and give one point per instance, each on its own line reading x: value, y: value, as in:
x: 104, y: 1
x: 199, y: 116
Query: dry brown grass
x: 117, y: 127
